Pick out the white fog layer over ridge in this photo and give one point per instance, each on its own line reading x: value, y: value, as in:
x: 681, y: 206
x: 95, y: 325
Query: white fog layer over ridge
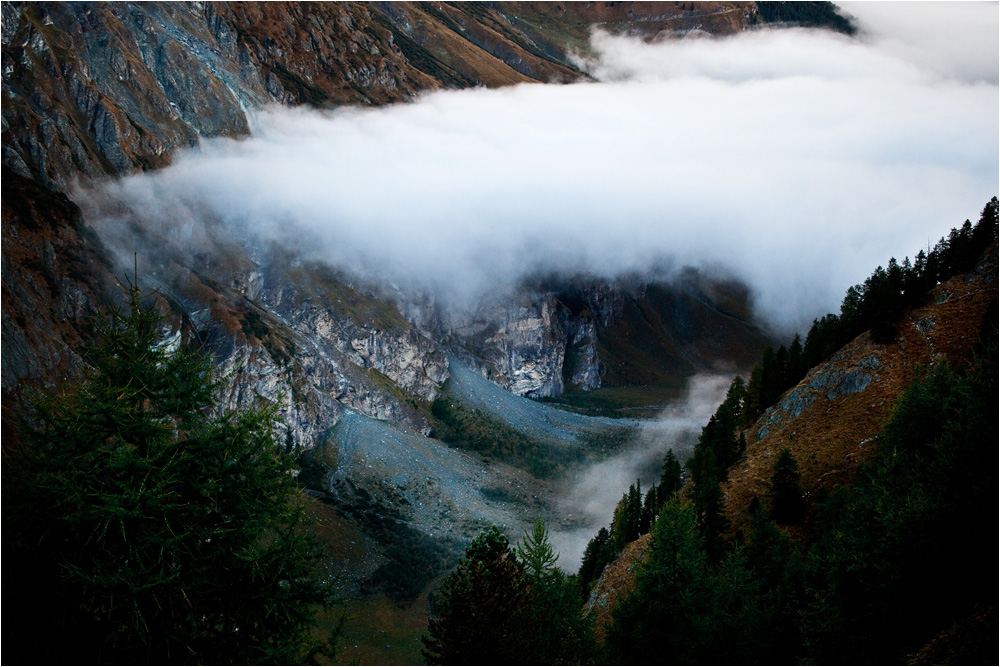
x: 795, y: 160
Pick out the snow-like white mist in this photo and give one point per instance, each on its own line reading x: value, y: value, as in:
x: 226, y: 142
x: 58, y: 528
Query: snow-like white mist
x: 797, y: 160
x: 588, y: 496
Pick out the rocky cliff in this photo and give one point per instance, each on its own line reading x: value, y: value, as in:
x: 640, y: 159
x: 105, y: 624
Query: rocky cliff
x: 98, y: 89
x: 93, y: 91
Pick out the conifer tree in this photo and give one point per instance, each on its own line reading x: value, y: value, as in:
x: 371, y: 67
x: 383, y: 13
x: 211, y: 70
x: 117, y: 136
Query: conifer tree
x: 710, y: 508
x: 663, y: 621
x: 627, y: 518
x: 482, y: 615
x: 559, y: 633
x: 670, y: 478
x: 650, y: 508
x: 147, y: 524
x: 787, y: 505
x: 595, y: 557
x: 536, y: 553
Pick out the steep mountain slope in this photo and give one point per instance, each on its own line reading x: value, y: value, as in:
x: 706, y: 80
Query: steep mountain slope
x: 94, y: 91
x: 829, y: 421
x: 108, y: 88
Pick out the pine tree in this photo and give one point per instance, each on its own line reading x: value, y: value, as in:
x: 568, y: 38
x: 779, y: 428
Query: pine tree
x: 670, y: 478
x: 665, y: 619
x: 146, y: 524
x: 650, y: 508
x: 483, y: 613
x: 559, y: 633
x: 596, y: 556
x: 787, y: 505
x: 710, y: 506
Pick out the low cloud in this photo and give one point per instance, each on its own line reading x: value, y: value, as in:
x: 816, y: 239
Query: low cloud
x: 588, y: 497
x: 948, y: 40
x: 797, y: 160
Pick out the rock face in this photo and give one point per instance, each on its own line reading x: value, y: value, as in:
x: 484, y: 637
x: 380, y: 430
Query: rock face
x: 93, y: 91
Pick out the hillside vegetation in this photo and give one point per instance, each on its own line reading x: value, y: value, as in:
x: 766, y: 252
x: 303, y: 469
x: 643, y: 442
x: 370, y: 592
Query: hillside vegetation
x: 851, y: 536
x: 841, y: 522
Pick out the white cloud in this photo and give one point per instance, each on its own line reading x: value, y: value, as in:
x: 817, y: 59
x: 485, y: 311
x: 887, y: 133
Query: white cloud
x: 951, y: 39
x: 798, y: 160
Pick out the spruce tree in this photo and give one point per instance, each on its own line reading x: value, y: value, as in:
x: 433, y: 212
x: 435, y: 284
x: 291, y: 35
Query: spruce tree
x: 147, y: 524
x: 650, y: 508
x: 596, y: 556
x: 787, y: 505
x: 666, y: 618
x: 670, y: 478
x: 482, y: 614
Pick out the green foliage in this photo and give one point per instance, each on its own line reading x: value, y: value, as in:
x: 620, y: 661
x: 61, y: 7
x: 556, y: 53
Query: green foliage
x: 873, y: 305
x: 684, y: 610
x: 670, y: 478
x: 599, y: 552
x: 650, y: 508
x: 907, y: 553
x: 412, y: 558
x: 482, y: 613
x: 807, y: 14
x: 279, y: 347
x: 785, y: 494
x: 661, y: 621
x: 561, y: 634
x: 145, y: 524
x: 627, y: 520
x: 536, y: 552
x: 607, y: 441
x: 719, y: 446
x: 891, y: 562
x: 475, y: 430
x: 498, y: 609
x: 709, y: 506
x: 877, y: 302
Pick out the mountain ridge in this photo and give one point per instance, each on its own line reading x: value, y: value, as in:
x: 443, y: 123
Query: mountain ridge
x: 829, y: 422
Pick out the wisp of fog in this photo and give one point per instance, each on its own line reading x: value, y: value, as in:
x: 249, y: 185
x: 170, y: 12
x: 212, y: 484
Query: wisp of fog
x: 586, y: 497
x: 795, y: 160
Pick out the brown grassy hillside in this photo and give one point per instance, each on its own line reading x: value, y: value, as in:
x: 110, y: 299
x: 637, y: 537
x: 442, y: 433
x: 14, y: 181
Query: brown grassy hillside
x: 830, y: 418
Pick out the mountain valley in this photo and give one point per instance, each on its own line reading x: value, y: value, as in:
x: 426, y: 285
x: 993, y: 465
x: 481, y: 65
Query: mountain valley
x: 418, y: 417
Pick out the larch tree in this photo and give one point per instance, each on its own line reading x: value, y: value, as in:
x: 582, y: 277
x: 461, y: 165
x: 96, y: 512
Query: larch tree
x: 147, y: 524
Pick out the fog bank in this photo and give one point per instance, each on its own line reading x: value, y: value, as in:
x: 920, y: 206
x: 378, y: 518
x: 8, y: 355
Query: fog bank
x: 798, y: 160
